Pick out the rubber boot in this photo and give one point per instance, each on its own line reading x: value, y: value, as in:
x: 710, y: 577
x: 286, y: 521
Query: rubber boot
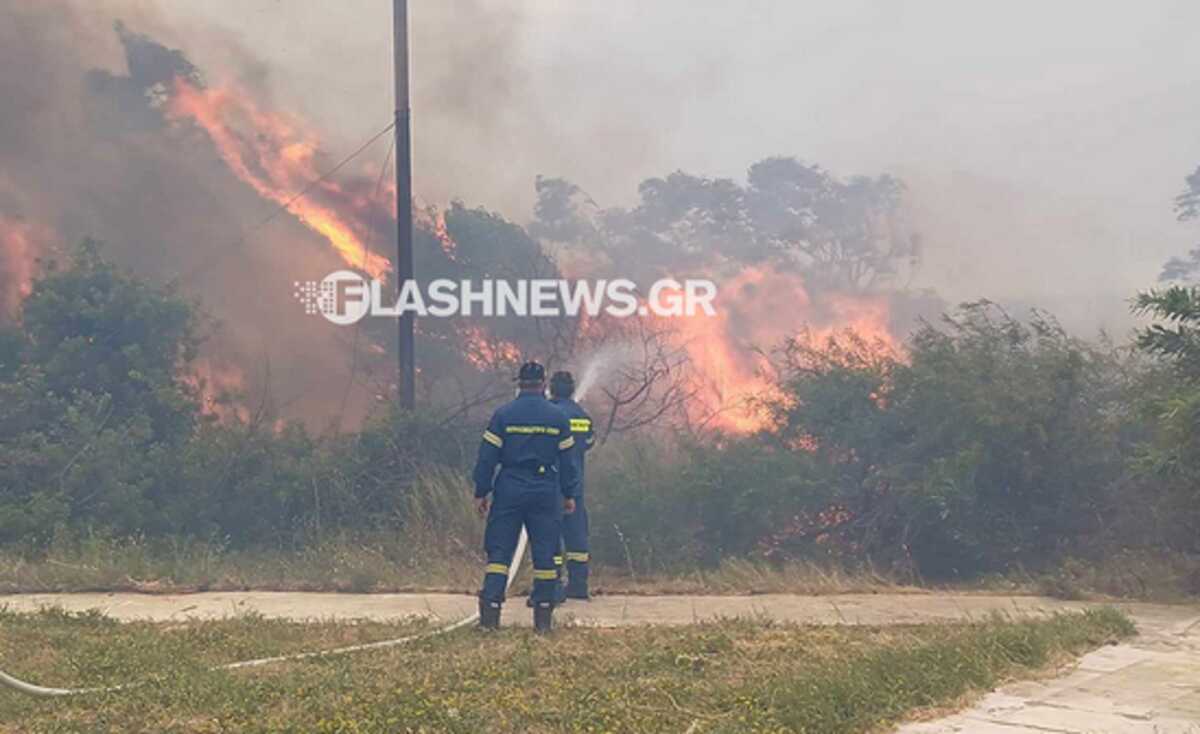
x: 543, y: 617
x: 489, y: 615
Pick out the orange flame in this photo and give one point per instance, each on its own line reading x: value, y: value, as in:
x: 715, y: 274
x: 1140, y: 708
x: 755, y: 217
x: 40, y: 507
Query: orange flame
x: 486, y: 352
x: 434, y: 220
x: 19, y: 242
x: 756, y: 311
x: 277, y: 158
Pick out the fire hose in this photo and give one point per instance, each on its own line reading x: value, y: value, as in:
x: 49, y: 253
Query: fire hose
x: 42, y: 692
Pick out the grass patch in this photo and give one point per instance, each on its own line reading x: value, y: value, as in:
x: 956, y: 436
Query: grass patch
x: 421, y: 558
x: 357, y: 563
x: 413, y: 560
x: 730, y: 676
x: 1125, y: 574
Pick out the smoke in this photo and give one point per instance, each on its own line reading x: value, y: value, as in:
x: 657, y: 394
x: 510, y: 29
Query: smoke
x: 92, y: 143
x: 87, y: 151
x: 173, y: 160
x: 1060, y: 145
x: 493, y: 106
x: 1027, y: 247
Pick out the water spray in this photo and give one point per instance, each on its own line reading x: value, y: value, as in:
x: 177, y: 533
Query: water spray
x: 597, y: 365
x: 42, y: 692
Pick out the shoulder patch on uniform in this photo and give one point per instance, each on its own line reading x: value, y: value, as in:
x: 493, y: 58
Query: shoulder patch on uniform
x: 581, y: 425
x: 493, y: 439
x: 566, y: 443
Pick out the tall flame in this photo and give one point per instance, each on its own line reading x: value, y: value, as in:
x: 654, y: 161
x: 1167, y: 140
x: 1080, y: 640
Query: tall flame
x: 278, y: 158
x: 756, y: 311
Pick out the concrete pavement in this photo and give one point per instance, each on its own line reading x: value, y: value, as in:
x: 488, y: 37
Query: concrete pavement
x: 1149, y: 685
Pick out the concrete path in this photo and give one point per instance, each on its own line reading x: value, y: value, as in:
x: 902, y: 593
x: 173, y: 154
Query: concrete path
x: 1151, y: 684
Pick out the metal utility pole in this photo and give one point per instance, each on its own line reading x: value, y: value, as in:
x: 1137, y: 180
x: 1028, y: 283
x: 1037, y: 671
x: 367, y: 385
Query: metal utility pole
x: 406, y: 352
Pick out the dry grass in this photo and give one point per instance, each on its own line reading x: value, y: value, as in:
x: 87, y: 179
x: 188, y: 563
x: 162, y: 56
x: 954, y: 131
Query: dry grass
x: 731, y: 676
x: 1125, y: 574
x: 437, y: 548
x: 750, y: 577
x: 421, y: 559
x: 381, y: 564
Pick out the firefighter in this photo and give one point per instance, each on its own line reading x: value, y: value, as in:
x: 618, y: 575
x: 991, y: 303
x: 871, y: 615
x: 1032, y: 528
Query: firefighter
x: 530, y: 441
x: 575, y: 525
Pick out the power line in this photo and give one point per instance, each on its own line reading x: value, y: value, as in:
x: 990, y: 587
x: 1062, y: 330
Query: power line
x: 358, y: 326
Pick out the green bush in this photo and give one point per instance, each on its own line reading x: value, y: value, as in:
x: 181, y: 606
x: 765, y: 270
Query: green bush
x: 992, y: 442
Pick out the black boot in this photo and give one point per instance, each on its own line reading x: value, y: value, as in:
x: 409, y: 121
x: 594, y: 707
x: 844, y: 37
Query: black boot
x: 489, y: 614
x: 543, y: 617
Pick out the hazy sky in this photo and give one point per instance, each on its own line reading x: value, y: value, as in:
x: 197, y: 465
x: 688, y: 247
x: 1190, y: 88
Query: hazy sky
x: 1043, y: 142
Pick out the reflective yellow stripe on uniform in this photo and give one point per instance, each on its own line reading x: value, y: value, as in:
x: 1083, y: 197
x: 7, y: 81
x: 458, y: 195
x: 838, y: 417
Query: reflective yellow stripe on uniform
x: 577, y: 557
x: 497, y: 568
x: 548, y: 430
x: 581, y: 425
x: 493, y: 439
x: 566, y: 443
x: 558, y: 560
x: 544, y: 575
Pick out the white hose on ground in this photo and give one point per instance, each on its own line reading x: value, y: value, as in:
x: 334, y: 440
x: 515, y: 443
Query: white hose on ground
x: 24, y: 687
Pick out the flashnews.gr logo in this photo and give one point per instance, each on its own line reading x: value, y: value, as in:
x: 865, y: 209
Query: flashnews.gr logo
x: 345, y: 298
x: 342, y: 297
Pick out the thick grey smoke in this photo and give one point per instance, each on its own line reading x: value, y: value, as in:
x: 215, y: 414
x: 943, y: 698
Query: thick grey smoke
x: 1040, y: 158
x: 1038, y: 139
x: 85, y: 152
x: 332, y: 63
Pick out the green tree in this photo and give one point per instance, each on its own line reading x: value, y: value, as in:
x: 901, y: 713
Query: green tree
x: 91, y: 328
x: 1170, y: 458
x: 844, y: 235
x: 92, y: 413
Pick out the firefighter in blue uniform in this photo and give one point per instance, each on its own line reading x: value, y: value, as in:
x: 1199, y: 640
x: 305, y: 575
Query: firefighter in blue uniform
x: 529, y: 440
x: 575, y: 525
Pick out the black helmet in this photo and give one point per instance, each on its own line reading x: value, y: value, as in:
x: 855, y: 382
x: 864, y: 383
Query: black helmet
x: 562, y: 384
x: 532, y: 373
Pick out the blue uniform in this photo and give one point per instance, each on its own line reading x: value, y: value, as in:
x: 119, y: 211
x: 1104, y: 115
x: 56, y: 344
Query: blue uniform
x: 530, y: 441
x: 575, y: 525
